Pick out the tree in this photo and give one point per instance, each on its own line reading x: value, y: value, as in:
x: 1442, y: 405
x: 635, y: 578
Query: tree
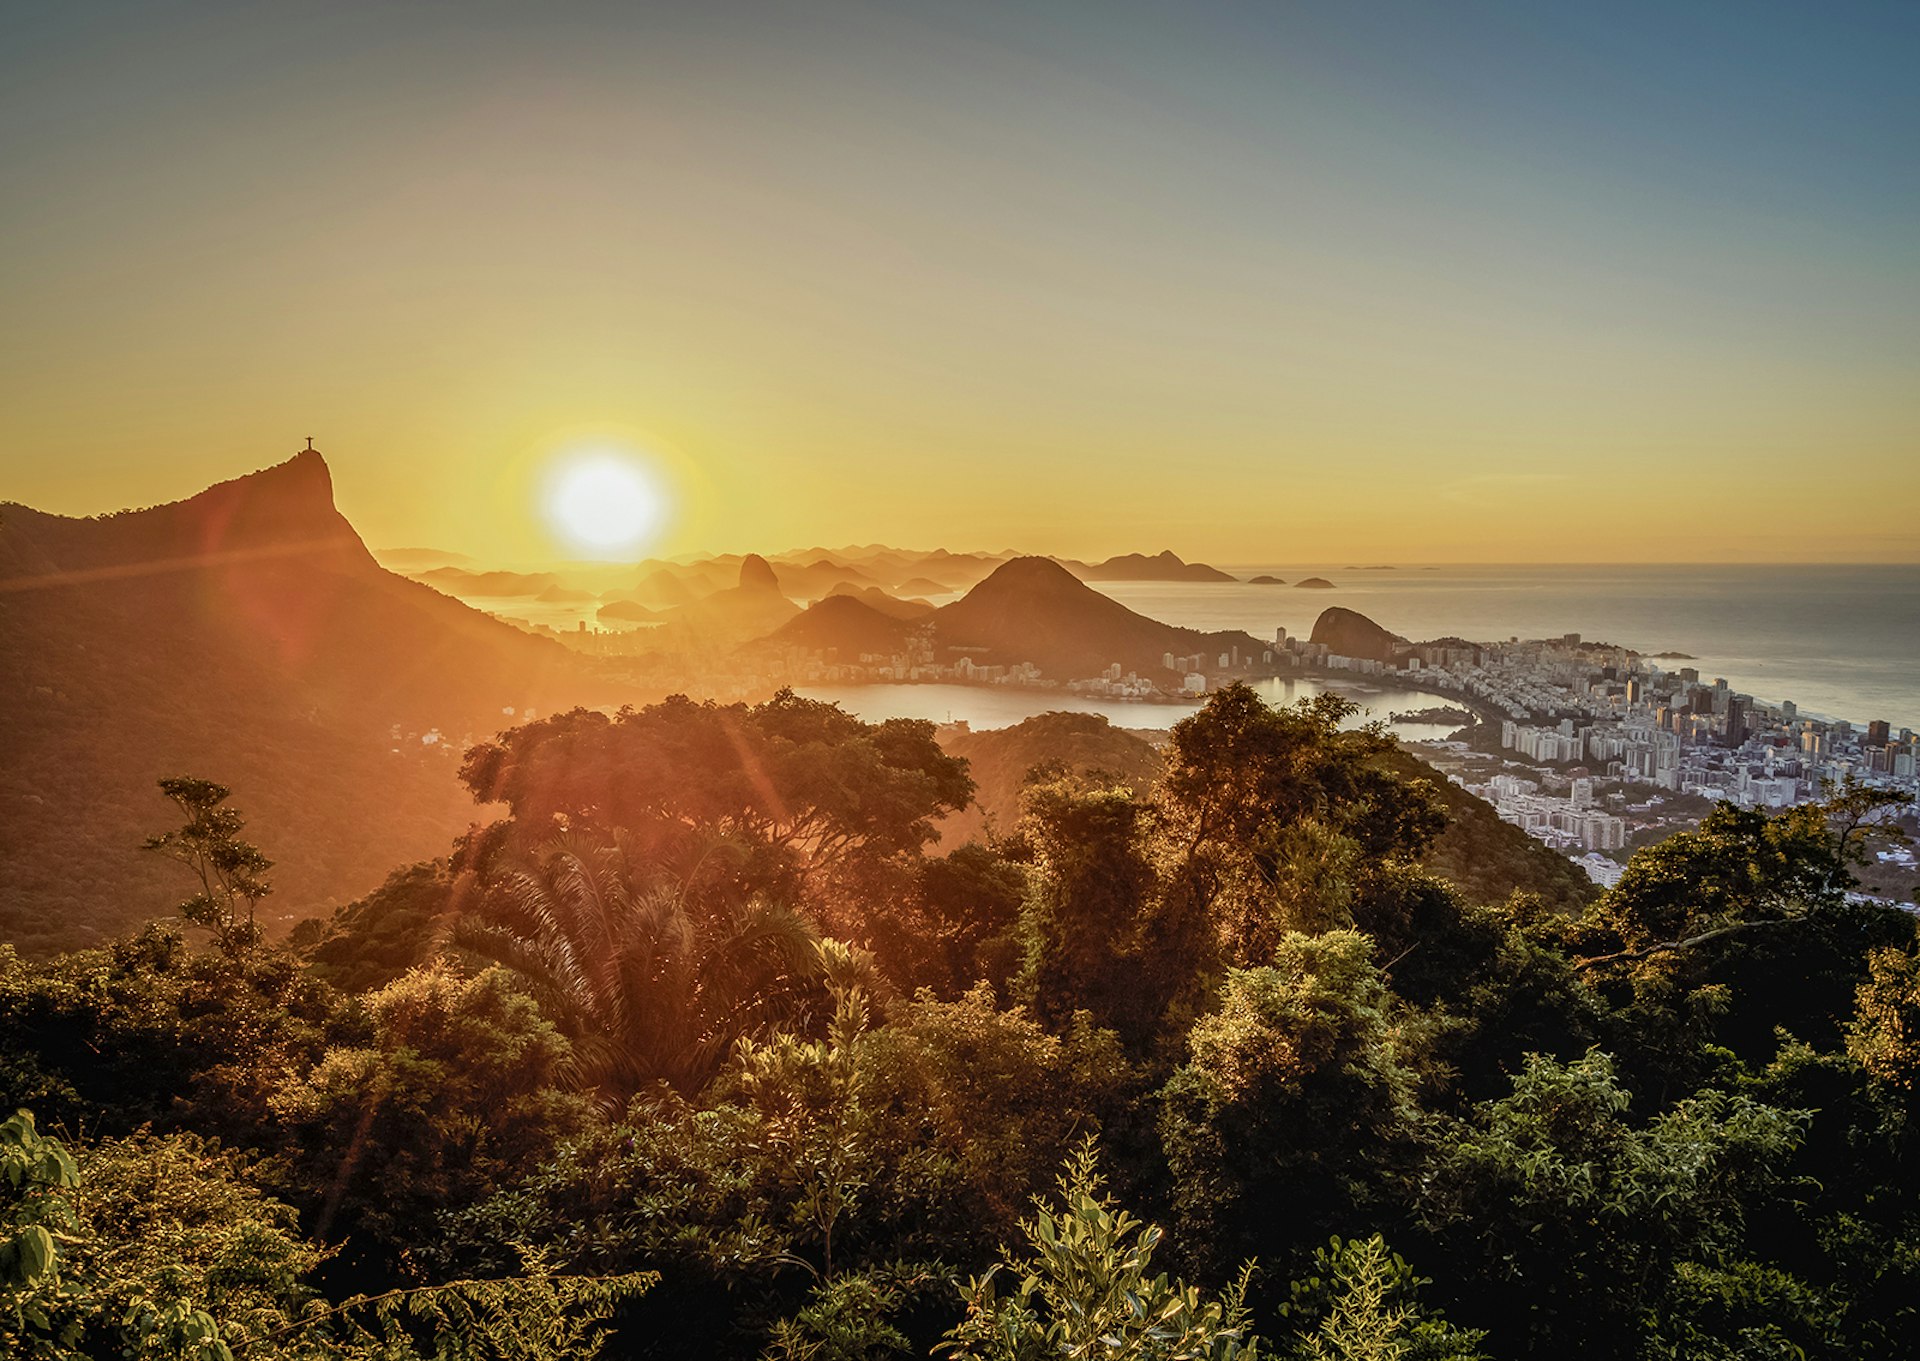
x: 1567, y: 1225
x: 801, y: 785
x: 1294, y: 1106
x: 452, y: 1091
x: 1884, y: 1036
x: 649, y: 983
x: 231, y: 872
x: 1084, y: 1290
x: 1089, y: 909
x: 1728, y: 933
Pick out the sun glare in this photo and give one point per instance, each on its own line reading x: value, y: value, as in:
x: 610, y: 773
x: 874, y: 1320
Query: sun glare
x: 603, y: 504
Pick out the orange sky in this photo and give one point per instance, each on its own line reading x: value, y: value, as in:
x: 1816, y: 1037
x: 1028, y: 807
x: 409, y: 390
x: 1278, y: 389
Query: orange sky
x: 1300, y: 287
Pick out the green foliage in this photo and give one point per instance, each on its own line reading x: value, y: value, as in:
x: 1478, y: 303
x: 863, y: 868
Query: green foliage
x: 1267, y: 814
x: 973, y: 1109
x: 1083, y: 1290
x: 1571, y: 1221
x: 1294, y: 1107
x: 1361, y: 1304
x: 455, y: 1090
x: 1487, y: 859
x: 1290, y: 1041
x: 159, y: 1250
x: 537, y: 1315
x: 813, y: 1119
x: 956, y: 923
x: 1089, y: 915
x: 35, y: 1176
x: 850, y: 1317
x: 1884, y: 1037
x: 650, y: 983
x: 1716, y: 938
x: 148, y: 1030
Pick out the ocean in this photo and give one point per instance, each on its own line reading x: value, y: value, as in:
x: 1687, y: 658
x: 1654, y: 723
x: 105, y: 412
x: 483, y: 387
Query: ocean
x: 1839, y: 641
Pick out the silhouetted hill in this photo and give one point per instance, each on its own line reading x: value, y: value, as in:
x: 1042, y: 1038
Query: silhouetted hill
x: 811, y: 580
x: 247, y: 635
x: 846, y: 624
x: 751, y: 609
x: 459, y: 581
x: 1035, y: 610
x: 1351, y: 634
x: 878, y: 599
x: 1163, y: 566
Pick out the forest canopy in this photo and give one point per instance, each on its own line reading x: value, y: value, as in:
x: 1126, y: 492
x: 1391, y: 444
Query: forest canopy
x: 710, y: 1048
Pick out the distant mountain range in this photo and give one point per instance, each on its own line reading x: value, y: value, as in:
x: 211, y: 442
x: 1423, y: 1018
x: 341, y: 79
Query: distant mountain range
x: 1027, y: 610
x: 804, y: 575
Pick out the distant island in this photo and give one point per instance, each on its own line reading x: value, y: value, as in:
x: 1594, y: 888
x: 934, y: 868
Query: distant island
x: 1264, y: 580
x: 1162, y: 566
x: 1314, y: 584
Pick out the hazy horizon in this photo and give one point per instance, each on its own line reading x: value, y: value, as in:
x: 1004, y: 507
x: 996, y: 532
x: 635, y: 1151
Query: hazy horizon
x: 1397, y: 283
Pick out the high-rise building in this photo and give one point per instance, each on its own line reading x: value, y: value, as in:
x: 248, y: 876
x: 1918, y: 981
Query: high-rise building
x: 1737, y: 719
x: 1878, y: 732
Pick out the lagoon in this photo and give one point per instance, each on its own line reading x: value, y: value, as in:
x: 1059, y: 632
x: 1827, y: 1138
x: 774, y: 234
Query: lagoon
x: 1001, y: 706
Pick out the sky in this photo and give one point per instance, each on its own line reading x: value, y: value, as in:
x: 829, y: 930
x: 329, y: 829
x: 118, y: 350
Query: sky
x: 1256, y: 282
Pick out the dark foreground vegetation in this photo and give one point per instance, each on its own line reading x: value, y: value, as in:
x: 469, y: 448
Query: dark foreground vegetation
x: 700, y: 1053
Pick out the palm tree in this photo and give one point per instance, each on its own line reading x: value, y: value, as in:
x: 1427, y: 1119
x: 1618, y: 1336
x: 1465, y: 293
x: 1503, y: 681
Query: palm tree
x: 648, y: 984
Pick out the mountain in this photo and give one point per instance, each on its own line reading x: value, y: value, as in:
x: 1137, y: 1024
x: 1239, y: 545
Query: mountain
x: 917, y: 586
x: 751, y: 609
x: 1035, y: 610
x: 811, y: 580
x: 1348, y: 633
x: 1163, y: 566
x: 626, y: 612
x: 844, y: 624
x: 875, y: 598
x: 246, y: 635
x: 457, y: 581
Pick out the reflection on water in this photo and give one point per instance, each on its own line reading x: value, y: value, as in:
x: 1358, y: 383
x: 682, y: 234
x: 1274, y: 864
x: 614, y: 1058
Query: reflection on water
x: 996, y: 706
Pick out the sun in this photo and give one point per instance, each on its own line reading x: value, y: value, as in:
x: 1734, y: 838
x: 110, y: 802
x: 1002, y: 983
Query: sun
x: 604, y: 503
